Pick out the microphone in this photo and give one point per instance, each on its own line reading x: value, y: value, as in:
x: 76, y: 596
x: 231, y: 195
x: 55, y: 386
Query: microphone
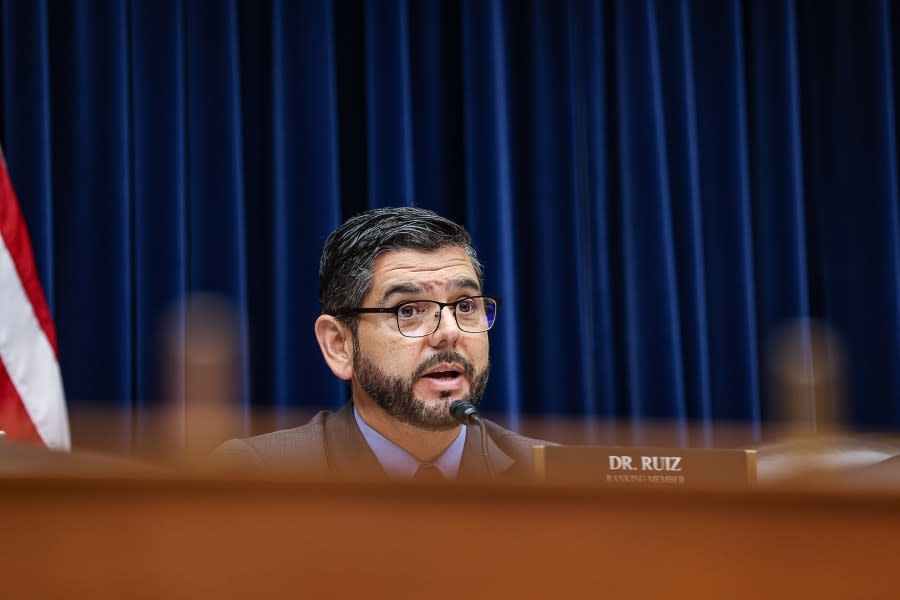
x: 464, y: 412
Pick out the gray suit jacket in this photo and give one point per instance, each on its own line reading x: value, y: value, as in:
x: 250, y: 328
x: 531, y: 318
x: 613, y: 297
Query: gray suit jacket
x: 332, y: 444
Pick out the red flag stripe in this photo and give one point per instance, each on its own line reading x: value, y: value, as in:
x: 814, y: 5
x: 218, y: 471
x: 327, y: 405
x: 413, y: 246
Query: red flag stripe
x: 15, y: 235
x: 13, y: 416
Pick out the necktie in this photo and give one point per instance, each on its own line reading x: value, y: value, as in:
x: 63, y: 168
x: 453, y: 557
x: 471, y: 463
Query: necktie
x: 428, y: 474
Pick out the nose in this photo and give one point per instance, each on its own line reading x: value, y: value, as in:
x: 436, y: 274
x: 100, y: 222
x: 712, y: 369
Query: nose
x: 447, y: 332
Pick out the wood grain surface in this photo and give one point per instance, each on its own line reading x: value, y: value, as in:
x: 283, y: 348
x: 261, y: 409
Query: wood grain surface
x: 96, y: 537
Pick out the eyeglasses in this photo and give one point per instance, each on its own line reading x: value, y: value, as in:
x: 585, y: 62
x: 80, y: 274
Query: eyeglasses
x: 420, y: 318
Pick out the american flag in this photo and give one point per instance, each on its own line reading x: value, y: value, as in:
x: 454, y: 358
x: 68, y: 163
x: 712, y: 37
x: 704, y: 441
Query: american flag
x: 32, y: 402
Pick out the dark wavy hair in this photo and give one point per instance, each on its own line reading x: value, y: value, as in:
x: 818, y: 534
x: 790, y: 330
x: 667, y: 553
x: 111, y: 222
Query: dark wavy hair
x: 348, y: 258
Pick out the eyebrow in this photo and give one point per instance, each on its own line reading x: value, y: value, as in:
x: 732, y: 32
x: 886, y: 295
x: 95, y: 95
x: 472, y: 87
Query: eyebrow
x: 464, y: 283
x: 409, y: 287
x: 403, y: 288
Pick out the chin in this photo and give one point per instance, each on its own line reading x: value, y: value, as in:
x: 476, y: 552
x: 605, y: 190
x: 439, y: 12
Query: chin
x: 446, y: 397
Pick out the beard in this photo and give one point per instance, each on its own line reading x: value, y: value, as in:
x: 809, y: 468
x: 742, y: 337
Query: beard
x: 395, y: 394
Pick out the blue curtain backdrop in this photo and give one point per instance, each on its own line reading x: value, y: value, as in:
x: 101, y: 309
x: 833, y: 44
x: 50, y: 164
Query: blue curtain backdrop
x: 654, y: 186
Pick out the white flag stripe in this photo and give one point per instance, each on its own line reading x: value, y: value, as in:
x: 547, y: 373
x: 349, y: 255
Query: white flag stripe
x: 29, y: 358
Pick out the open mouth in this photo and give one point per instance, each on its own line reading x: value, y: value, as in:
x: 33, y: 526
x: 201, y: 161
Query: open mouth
x: 445, y: 372
x: 448, y: 375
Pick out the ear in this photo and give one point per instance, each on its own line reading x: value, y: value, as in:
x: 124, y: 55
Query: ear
x: 336, y: 343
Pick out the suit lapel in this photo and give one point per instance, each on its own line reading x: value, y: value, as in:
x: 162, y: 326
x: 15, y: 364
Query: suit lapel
x: 472, y: 467
x: 346, y: 450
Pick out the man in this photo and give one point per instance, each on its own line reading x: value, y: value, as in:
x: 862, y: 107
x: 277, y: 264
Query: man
x: 405, y: 321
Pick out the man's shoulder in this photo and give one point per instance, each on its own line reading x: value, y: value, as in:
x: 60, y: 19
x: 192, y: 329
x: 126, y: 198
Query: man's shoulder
x: 305, y: 443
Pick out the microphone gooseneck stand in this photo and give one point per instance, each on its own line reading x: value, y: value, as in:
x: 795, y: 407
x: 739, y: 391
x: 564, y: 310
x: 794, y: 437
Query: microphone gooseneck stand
x: 464, y: 412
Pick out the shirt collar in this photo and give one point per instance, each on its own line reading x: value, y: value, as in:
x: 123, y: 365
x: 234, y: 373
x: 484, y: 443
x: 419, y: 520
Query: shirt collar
x: 400, y: 464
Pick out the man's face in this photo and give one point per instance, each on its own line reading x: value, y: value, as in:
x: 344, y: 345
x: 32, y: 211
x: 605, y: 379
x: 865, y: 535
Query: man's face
x: 414, y: 380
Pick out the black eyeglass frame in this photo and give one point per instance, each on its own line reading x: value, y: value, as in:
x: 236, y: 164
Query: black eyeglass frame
x: 395, y: 310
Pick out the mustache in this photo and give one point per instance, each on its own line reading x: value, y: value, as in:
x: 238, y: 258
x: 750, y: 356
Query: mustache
x: 445, y: 357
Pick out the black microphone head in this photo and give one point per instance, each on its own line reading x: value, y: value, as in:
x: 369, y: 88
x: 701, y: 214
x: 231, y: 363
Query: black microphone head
x: 462, y: 411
